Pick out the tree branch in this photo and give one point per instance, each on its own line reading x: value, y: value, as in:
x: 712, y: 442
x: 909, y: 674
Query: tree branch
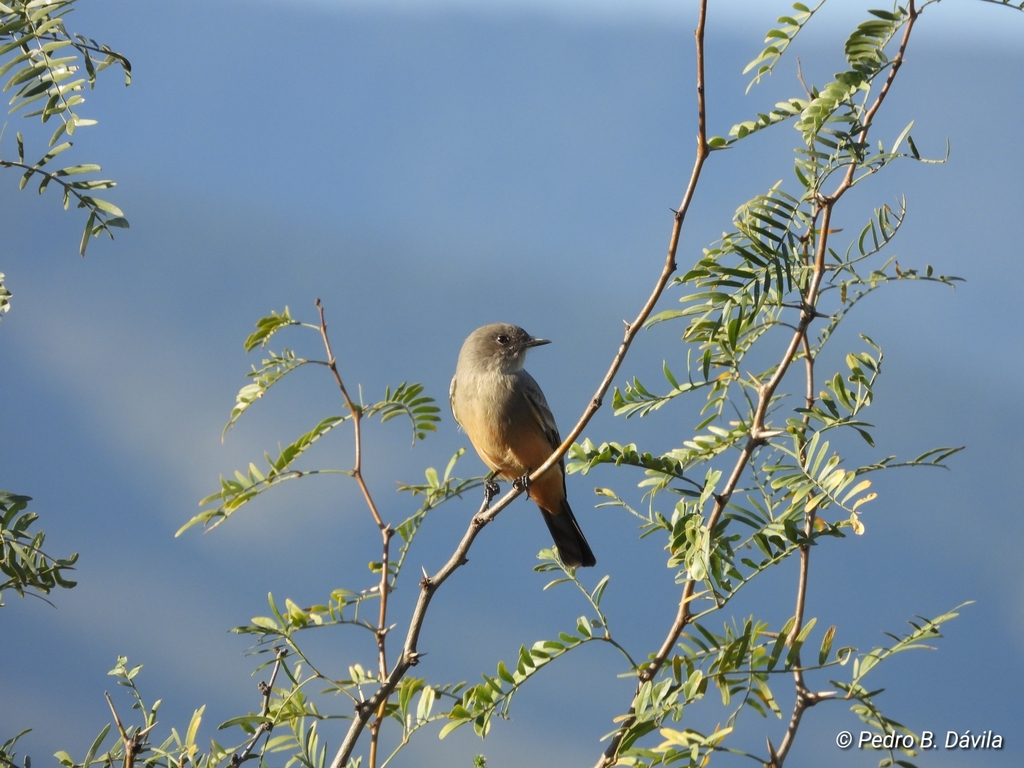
x: 386, y: 532
x: 804, y: 698
x: 410, y: 655
x: 759, y: 434
x: 429, y: 585
x: 132, y: 744
x: 266, y: 689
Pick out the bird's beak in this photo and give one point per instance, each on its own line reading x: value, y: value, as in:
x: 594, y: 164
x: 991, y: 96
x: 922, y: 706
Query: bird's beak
x: 536, y: 343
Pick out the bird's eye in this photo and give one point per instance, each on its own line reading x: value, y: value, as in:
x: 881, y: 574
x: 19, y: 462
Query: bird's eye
x: 502, y: 339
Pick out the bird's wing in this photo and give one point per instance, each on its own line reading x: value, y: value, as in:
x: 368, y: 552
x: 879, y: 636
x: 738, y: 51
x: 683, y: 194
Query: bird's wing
x: 451, y: 399
x: 539, y: 408
x: 549, y: 493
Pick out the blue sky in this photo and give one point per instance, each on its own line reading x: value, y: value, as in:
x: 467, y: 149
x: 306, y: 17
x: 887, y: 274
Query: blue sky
x: 425, y: 168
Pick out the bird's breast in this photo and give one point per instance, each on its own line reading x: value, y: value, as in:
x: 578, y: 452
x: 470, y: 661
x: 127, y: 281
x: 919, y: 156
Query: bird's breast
x: 493, y: 413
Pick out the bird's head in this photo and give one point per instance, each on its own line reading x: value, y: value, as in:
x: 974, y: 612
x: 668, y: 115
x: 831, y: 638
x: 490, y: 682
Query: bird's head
x: 500, y: 346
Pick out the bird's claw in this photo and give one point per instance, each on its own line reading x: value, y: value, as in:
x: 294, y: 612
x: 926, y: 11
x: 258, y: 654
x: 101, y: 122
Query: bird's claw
x: 522, y: 483
x: 491, y: 489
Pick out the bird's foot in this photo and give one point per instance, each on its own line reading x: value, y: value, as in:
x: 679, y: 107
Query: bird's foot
x: 522, y: 483
x: 491, y: 489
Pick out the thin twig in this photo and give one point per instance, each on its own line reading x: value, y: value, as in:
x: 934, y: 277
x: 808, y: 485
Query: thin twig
x: 357, y: 413
x: 68, y: 189
x: 759, y: 434
x: 410, y: 655
x: 266, y: 689
x: 684, y: 605
x: 83, y: 48
x: 117, y: 720
x: 132, y: 745
x: 805, y: 548
x: 805, y: 699
x: 386, y: 532
x: 800, y: 77
x: 430, y: 585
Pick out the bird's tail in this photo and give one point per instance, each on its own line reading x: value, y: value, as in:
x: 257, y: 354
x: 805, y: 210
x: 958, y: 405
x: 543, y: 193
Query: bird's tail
x: 572, y: 544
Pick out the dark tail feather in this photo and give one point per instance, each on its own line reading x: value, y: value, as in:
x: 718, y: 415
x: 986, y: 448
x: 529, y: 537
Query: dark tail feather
x: 572, y: 544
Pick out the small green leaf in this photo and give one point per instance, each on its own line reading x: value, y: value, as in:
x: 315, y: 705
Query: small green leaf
x: 86, y: 234
x: 267, y: 327
x: 826, y: 644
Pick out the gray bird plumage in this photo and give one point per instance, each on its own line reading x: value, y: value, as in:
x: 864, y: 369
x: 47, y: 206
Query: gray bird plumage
x: 503, y: 410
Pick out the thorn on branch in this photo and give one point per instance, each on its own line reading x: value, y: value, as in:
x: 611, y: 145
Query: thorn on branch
x: 412, y: 658
x: 800, y: 77
x: 812, y: 313
x: 760, y: 435
x: 132, y: 745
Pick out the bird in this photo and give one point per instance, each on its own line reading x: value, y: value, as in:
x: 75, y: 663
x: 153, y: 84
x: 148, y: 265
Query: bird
x: 506, y: 416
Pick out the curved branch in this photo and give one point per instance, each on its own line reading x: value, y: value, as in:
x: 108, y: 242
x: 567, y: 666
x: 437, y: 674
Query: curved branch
x: 386, y: 532
x: 759, y: 434
x: 429, y: 585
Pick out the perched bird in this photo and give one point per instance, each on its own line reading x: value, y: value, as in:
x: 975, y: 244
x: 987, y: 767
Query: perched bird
x: 504, y: 412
